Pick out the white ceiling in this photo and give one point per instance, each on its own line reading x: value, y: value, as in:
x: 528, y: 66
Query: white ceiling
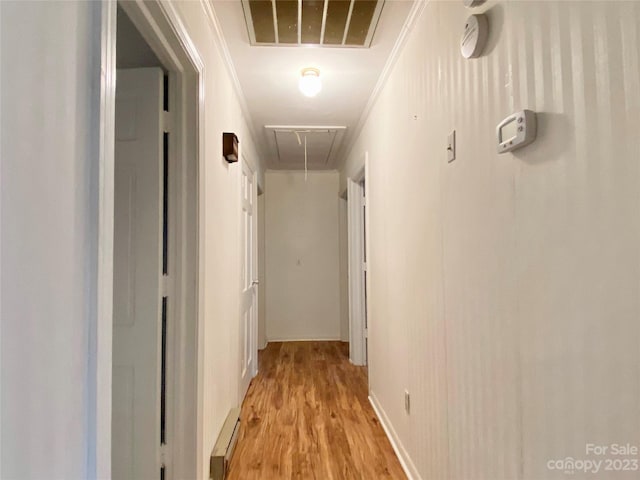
x: 268, y: 78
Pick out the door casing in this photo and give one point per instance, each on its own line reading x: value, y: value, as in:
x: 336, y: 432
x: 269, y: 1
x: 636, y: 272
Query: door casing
x: 160, y: 25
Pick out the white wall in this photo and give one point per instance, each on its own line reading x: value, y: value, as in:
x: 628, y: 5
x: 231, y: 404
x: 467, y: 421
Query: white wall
x: 48, y: 192
x: 222, y: 260
x: 134, y: 51
x: 302, y: 257
x: 505, y: 288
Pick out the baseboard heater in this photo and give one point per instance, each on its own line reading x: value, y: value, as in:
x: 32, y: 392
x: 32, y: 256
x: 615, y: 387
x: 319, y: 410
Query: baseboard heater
x: 223, y: 449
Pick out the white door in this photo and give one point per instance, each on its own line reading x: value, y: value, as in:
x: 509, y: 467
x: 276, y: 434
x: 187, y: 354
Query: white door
x: 356, y: 213
x: 138, y: 303
x: 365, y: 275
x: 249, y: 278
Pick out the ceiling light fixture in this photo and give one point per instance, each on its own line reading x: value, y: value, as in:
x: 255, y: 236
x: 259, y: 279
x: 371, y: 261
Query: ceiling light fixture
x: 310, y: 84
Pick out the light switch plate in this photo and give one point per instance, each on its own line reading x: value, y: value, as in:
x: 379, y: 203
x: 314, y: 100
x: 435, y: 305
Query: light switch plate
x: 407, y: 402
x: 451, y: 146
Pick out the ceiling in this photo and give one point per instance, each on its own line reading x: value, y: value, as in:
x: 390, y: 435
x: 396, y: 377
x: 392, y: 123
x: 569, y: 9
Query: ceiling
x: 268, y: 78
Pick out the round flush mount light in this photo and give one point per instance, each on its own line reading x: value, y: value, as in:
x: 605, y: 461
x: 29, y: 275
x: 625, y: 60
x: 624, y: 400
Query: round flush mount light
x: 310, y: 84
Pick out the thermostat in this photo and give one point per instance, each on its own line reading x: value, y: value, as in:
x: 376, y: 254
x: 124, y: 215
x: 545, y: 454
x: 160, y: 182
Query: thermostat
x: 474, y: 38
x: 516, y: 131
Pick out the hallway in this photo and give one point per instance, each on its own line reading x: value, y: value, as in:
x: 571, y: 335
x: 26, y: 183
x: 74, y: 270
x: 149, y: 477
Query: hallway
x: 307, y: 415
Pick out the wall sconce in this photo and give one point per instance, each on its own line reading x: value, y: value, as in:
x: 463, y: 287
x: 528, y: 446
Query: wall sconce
x: 230, y: 147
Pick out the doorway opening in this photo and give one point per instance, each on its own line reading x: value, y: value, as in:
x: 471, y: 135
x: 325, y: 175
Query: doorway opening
x: 156, y: 240
x: 358, y: 260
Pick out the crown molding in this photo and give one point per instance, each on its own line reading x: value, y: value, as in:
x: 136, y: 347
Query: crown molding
x: 414, y: 14
x: 290, y: 169
x: 223, y: 49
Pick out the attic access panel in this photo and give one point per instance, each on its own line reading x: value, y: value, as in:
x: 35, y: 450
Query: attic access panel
x: 319, y: 147
x: 330, y: 23
x: 321, y: 143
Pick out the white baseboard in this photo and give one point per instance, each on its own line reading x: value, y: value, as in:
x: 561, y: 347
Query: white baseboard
x: 407, y: 465
x: 332, y: 339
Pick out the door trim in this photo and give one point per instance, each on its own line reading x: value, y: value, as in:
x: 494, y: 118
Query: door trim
x: 160, y: 25
x: 100, y: 353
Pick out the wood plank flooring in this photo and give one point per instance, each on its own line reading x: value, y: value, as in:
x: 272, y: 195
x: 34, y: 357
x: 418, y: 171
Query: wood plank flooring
x: 307, y: 416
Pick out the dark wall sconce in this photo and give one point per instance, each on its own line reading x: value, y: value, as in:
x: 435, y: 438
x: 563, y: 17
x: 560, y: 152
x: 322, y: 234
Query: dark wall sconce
x: 230, y: 147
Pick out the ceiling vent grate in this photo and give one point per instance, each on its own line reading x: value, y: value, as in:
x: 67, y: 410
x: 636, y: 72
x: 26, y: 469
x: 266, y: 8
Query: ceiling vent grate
x: 328, y: 23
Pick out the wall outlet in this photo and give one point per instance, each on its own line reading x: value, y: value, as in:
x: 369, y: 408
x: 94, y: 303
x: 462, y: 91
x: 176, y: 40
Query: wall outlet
x: 407, y: 402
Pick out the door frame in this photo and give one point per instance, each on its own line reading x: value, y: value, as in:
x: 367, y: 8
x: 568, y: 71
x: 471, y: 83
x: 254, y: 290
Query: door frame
x: 358, y: 250
x: 163, y: 30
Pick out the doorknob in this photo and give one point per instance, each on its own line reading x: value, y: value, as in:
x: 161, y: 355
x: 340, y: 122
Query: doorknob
x: 255, y: 282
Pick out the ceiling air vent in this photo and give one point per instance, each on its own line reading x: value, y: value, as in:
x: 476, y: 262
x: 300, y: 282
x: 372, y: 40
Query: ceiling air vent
x: 329, y: 23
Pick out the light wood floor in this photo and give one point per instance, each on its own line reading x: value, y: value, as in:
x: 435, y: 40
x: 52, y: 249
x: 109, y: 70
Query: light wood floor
x: 307, y: 416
